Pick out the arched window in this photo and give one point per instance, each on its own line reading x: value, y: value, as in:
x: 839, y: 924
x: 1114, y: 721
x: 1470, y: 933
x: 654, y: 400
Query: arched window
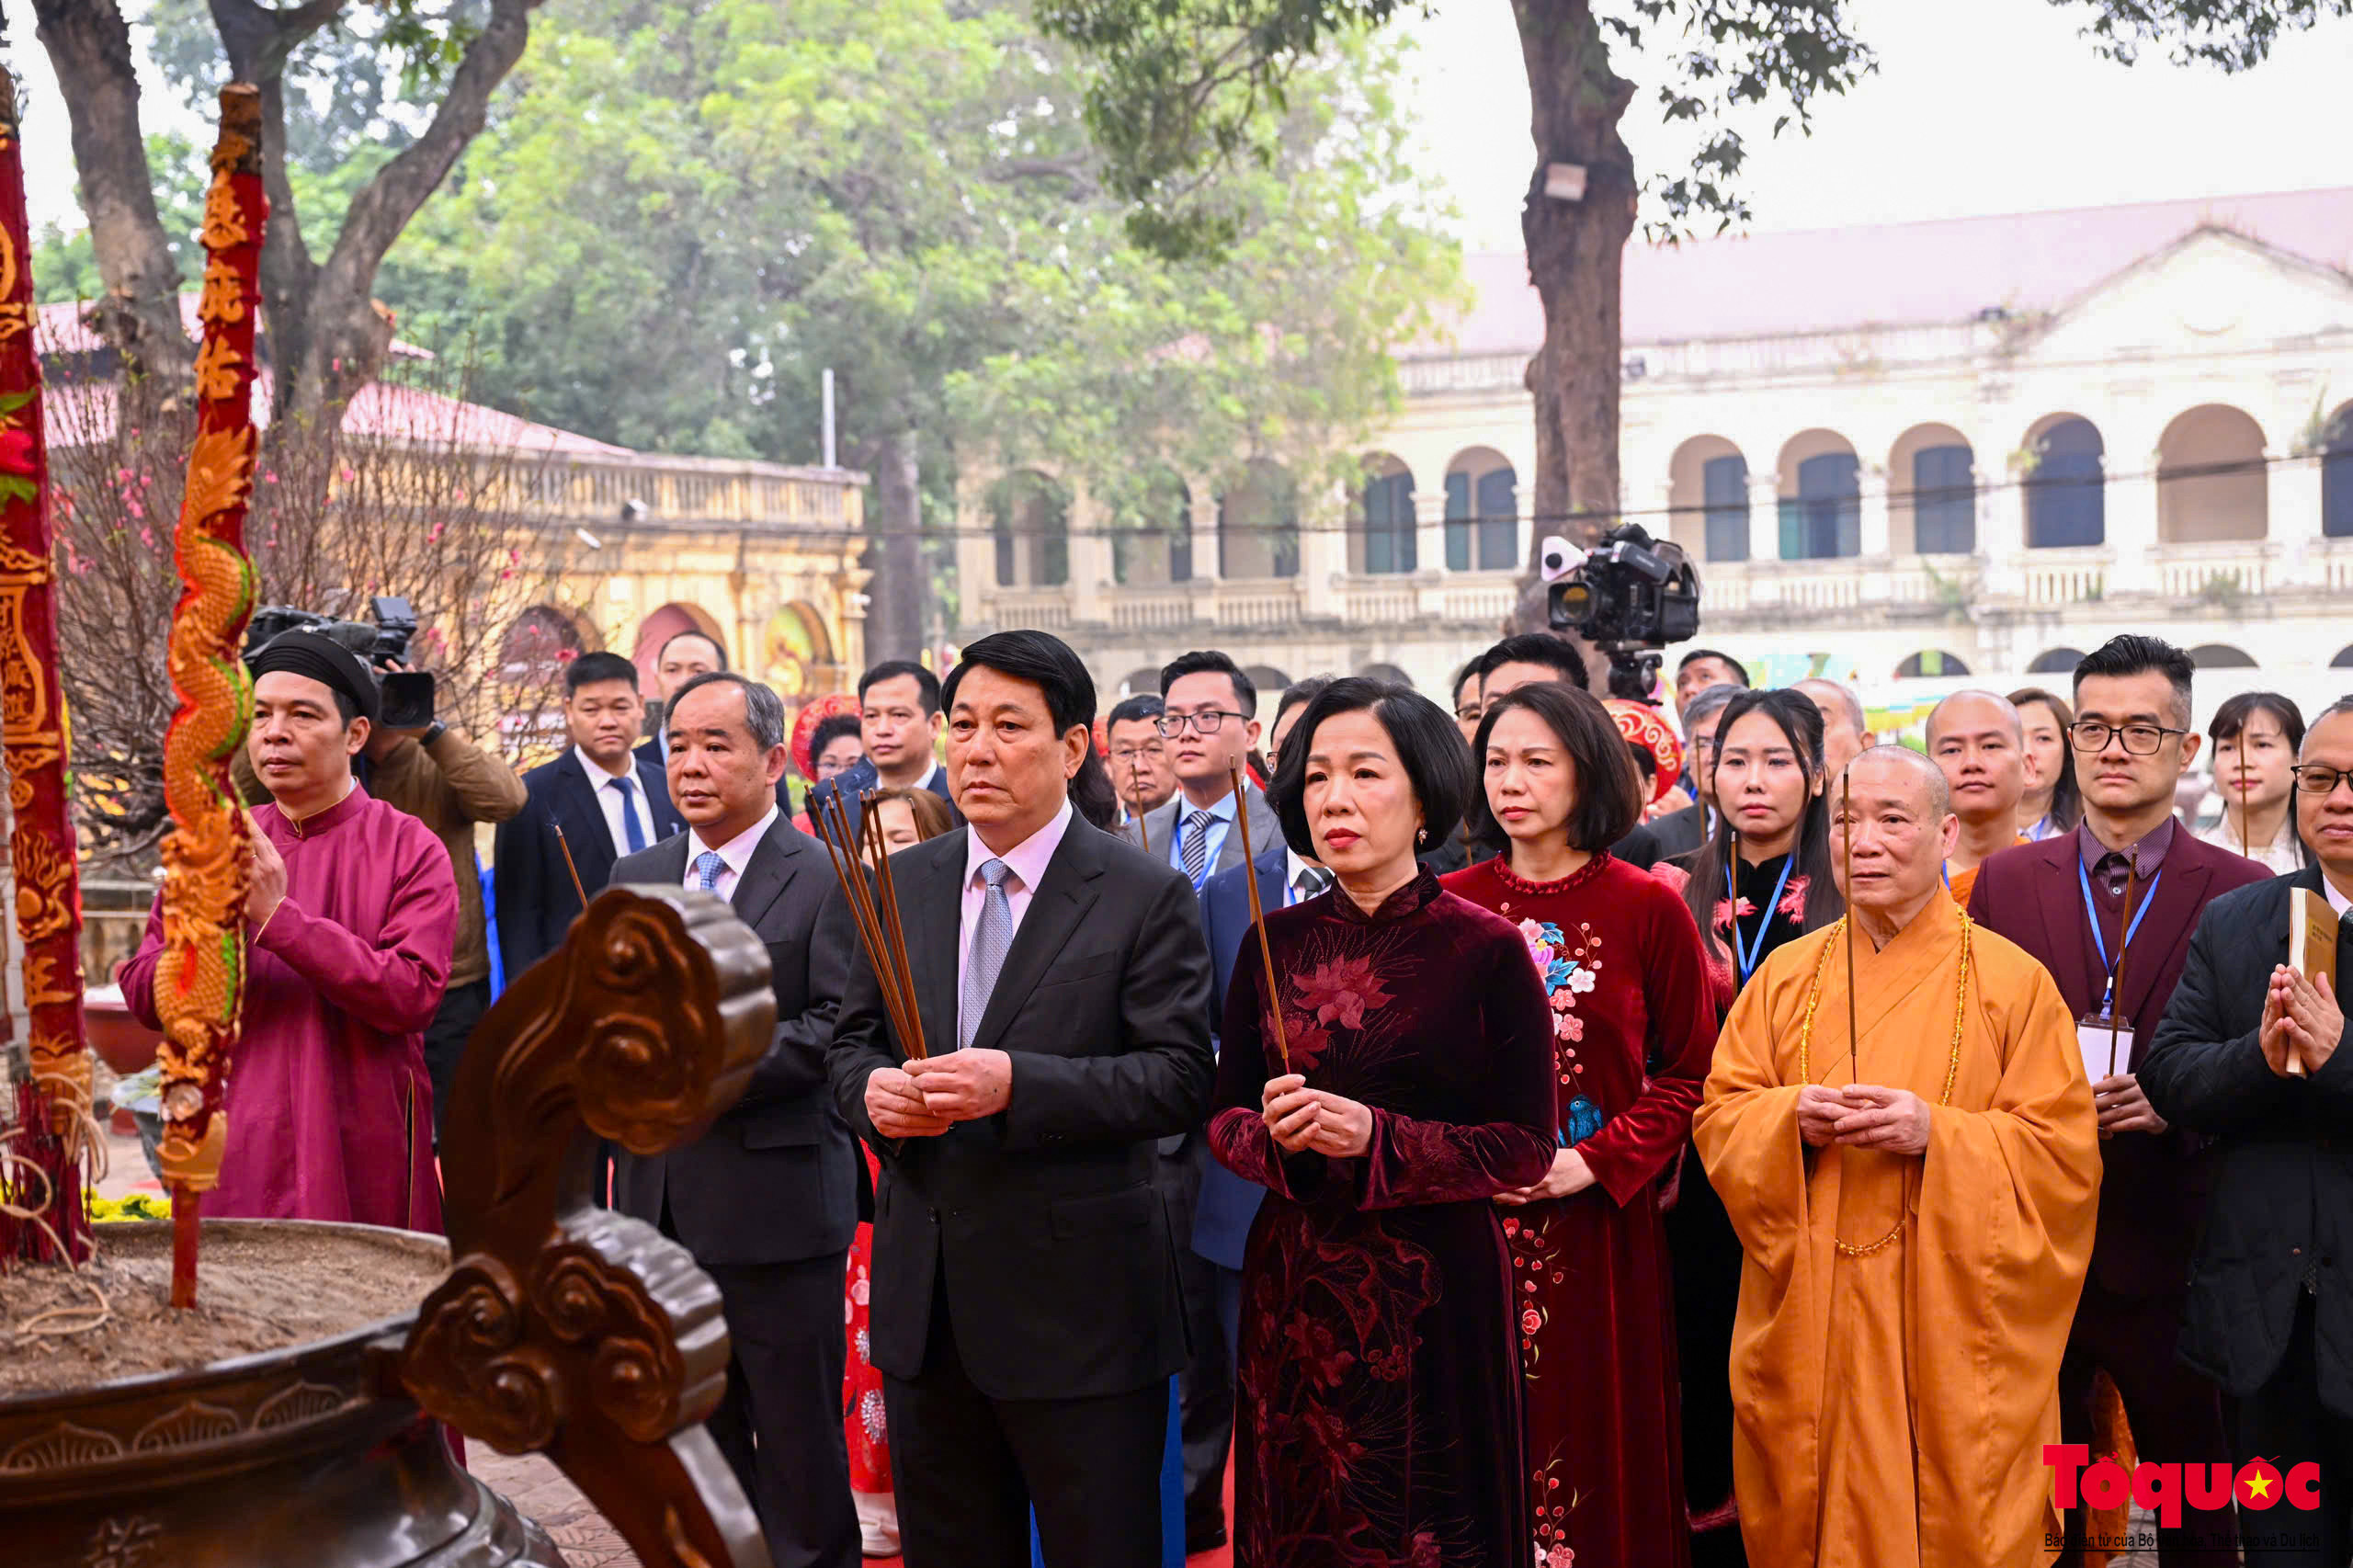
x: 1930, y: 664
x: 1482, y: 512
x: 1388, y: 673
x: 1138, y: 683
x: 537, y: 647
x: 2220, y: 656
x: 2336, y: 475
x: 2056, y: 662
x: 1385, y: 518
x: 1933, y: 499
x: 1821, y: 498
x: 1257, y: 523
x: 2211, y: 481
x: 2066, y: 491
x: 2344, y: 660
x: 1269, y: 682
x: 1708, y: 480
x: 1030, y: 516
x: 1152, y: 536
x: 658, y: 629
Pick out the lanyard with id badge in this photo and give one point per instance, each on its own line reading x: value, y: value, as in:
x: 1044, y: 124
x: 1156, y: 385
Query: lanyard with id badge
x: 2106, y: 1039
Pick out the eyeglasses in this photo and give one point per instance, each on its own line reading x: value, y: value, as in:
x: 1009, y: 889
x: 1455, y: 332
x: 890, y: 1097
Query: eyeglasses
x: 1137, y: 754
x: 2313, y: 779
x: 1208, y: 722
x: 2140, y: 740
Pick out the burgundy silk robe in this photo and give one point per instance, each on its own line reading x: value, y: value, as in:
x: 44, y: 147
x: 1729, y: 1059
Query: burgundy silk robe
x: 329, y: 1110
x: 1377, y: 1420
x: 1633, y: 1029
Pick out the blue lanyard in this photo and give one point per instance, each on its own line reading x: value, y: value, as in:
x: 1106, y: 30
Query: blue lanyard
x: 2148, y: 897
x: 1754, y: 954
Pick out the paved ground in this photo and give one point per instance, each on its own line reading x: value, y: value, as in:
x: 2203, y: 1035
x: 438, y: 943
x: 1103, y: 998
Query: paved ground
x: 541, y: 1492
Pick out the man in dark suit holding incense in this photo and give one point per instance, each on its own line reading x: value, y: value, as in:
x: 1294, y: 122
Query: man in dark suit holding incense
x: 1025, y: 1316
x: 767, y: 1198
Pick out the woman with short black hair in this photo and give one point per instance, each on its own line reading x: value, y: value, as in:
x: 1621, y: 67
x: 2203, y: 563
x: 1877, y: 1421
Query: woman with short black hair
x: 1633, y: 1025
x: 1377, y: 1417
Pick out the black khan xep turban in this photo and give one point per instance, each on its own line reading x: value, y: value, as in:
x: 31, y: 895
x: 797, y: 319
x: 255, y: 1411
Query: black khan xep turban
x: 321, y: 659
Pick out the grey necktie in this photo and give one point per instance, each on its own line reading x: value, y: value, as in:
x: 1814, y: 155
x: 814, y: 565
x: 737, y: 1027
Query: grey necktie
x: 1197, y: 843
x: 992, y: 935
x: 1312, y: 881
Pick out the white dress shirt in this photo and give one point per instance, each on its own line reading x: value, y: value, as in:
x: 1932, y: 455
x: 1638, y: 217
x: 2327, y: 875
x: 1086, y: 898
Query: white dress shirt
x: 1292, y: 866
x: 1027, y: 860
x: 2282, y: 854
x: 612, y: 803
x: 736, y: 852
x: 2336, y: 901
x: 1221, y: 820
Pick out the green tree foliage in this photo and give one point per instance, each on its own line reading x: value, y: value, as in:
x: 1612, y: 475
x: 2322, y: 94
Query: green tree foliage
x: 689, y: 209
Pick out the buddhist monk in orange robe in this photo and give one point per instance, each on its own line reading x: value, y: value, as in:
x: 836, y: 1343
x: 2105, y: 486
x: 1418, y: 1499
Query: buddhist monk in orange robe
x: 1916, y: 1213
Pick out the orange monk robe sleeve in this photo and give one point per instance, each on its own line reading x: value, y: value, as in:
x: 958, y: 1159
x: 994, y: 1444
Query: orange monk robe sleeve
x: 2006, y: 1202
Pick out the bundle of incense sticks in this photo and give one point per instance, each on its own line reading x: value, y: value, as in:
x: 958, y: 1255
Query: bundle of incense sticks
x: 876, y: 909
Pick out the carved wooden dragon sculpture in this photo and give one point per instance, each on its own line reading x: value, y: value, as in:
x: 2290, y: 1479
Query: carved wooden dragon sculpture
x: 199, y: 980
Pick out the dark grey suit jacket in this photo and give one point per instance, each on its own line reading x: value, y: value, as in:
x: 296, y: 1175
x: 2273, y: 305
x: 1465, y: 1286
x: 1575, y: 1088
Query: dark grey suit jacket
x: 1057, y: 1249
x: 1160, y: 826
x: 775, y: 1179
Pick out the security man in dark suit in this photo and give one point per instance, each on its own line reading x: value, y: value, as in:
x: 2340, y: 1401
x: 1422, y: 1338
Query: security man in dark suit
x: 1026, y: 1311
x: 2253, y: 1052
x: 765, y: 1199
x: 606, y: 802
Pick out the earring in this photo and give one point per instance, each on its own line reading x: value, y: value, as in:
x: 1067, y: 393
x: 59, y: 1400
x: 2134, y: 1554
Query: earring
x: 1421, y: 839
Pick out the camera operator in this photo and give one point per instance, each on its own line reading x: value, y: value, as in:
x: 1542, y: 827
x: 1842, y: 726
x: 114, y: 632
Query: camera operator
x: 439, y: 776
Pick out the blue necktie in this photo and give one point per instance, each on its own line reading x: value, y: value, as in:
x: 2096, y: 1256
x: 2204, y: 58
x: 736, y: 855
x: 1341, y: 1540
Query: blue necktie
x: 992, y: 935
x: 636, y: 834
x: 708, y: 865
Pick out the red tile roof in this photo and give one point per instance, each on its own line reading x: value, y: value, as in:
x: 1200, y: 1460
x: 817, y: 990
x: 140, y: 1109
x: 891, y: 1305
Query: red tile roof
x: 63, y: 328
x: 1900, y: 274
x: 84, y: 412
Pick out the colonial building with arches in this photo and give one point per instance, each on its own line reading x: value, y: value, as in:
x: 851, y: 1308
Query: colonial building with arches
x: 1926, y: 450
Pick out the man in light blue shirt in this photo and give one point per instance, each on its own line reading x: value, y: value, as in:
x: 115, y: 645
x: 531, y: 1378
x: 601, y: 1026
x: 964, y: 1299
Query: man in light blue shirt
x: 1209, y: 723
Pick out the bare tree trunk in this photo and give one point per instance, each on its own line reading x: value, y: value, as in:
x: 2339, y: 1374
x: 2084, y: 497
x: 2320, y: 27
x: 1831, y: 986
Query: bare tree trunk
x: 328, y: 337
x: 895, y: 621
x: 90, y: 46
x: 1575, y: 255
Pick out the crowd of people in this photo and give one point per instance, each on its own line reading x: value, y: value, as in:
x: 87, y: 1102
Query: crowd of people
x: 1621, y: 1143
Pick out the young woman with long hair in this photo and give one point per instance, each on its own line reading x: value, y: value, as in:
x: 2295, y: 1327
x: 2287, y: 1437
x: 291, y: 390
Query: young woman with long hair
x: 2256, y: 737
x: 1762, y: 878
x: 2052, y: 803
x: 1633, y: 1026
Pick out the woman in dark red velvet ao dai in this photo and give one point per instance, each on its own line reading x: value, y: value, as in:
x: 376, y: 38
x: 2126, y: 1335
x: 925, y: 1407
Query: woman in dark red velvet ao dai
x: 1377, y: 1411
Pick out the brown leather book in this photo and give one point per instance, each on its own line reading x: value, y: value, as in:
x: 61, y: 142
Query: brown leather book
x: 2311, y: 945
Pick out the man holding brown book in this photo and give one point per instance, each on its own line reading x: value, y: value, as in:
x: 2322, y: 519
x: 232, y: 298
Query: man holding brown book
x: 2249, y: 1054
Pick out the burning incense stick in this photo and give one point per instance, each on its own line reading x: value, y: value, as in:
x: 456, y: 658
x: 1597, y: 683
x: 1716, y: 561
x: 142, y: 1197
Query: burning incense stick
x: 1258, y: 913
x: 1846, y: 851
x: 2116, y: 980
x: 565, y: 845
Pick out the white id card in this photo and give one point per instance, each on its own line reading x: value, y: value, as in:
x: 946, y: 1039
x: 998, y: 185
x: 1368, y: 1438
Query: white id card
x: 2107, y: 1046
